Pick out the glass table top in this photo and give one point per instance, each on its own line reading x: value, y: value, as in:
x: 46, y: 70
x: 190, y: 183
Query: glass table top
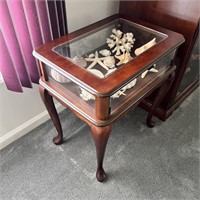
x: 109, y: 47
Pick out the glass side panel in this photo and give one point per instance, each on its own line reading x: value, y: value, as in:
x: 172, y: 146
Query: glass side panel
x: 109, y: 47
x: 74, y: 94
x: 192, y: 70
x: 132, y: 89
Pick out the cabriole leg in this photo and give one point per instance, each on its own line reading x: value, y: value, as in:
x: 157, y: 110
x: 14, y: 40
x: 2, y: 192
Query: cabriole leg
x: 100, y: 135
x: 48, y: 101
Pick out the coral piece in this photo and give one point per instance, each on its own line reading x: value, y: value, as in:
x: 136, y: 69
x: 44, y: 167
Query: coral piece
x: 58, y: 77
x: 124, y: 58
x: 80, y: 61
x: 96, y: 60
x: 109, y: 61
x: 121, y: 43
x: 143, y: 48
x: 153, y: 69
x: 105, y: 52
x: 128, y: 41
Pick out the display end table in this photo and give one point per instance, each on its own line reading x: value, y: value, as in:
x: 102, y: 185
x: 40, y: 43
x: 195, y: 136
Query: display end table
x: 102, y: 71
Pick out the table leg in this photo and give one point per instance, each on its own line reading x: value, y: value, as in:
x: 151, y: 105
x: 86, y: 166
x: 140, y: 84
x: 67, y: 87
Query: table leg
x: 48, y: 101
x: 159, y: 97
x: 101, y: 136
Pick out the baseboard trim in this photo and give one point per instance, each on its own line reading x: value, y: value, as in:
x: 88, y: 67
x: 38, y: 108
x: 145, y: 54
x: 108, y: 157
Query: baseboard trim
x: 26, y: 127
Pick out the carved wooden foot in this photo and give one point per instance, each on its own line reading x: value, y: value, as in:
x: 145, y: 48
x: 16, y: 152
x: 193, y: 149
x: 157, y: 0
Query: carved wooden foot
x: 100, y: 135
x: 161, y: 94
x: 48, y: 101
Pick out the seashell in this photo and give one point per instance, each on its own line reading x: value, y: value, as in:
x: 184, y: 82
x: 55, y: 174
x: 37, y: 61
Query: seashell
x: 116, y: 95
x: 130, y: 85
x: 80, y: 61
x: 91, y: 55
x: 96, y: 72
x: 124, y: 58
x: 86, y: 95
x: 143, y: 75
x: 143, y: 48
x: 153, y: 69
x: 58, y: 77
x: 105, y: 52
x: 110, y: 71
x: 109, y: 61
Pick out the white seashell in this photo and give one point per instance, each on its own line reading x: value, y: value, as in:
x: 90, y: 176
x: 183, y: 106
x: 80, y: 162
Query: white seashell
x: 116, y: 95
x: 153, y: 69
x: 86, y: 95
x: 96, y: 72
x: 143, y: 75
x: 58, y: 77
x: 131, y: 84
x: 110, y: 71
x: 105, y: 52
x: 109, y: 61
x: 124, y: 58
x: 80, y: 61
x: 91, y: 55
x: 143, y: 48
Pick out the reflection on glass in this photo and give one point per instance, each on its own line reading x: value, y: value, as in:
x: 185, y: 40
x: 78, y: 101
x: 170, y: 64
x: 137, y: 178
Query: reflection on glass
x: 192, y: 70
x: 109, y: 47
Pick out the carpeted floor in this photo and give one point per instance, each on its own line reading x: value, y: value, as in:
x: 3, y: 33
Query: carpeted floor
x: 141, y: 163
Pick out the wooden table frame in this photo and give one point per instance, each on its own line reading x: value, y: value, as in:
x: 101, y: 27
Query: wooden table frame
x: 101, y: 123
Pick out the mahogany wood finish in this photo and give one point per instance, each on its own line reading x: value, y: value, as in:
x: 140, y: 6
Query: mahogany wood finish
x: 110, y: 84
x: 101, y: 115
x: 100, y: 135
x: 182, y: 17
x: 48, y: 101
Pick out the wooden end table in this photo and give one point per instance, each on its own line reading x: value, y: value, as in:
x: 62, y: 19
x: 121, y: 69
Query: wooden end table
x: 73, y: 73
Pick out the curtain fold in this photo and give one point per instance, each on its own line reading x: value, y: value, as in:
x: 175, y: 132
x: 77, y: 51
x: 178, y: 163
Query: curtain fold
x: 26, y: 24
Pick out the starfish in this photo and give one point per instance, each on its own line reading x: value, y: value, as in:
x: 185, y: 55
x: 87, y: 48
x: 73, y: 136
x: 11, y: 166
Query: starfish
x: 143, y: 75
x: 121, y: 92
x: 118, y: 94
x: 96, y: 60
x: 124, y: 58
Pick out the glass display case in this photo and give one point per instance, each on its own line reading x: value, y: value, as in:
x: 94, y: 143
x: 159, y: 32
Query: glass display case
x: 100, y: 53
x: 121, y: 32
x: 100, y: 72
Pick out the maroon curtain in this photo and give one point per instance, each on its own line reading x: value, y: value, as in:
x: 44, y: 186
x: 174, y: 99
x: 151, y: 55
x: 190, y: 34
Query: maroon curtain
x: 26, y: 24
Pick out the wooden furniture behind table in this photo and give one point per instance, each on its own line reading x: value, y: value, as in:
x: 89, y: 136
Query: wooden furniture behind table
x: 182, y: 17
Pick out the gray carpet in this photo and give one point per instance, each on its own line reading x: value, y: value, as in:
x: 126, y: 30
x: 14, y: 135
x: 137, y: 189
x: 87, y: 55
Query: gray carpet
x: 141, y: 163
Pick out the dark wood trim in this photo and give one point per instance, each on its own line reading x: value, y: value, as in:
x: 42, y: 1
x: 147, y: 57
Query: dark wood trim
x: 163, y: 114
x: 169, y: 14
x: 108, y: 85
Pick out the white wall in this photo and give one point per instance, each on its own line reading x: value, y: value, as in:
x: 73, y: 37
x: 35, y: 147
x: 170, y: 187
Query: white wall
x: 21, y: 112
x: 81, y: 13
x: 16, y: 108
